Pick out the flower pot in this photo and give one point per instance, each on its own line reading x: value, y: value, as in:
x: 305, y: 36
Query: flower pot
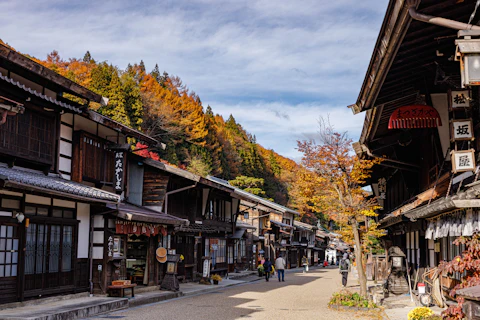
x: 215, y: 281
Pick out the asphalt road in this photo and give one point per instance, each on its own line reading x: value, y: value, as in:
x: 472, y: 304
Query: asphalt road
x: 301, y: 296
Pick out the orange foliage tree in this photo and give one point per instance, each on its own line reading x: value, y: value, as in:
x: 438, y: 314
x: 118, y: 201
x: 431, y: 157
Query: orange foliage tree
x: 333, y: 184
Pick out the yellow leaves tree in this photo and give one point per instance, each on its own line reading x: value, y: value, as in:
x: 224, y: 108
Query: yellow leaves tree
x: 338, y: 176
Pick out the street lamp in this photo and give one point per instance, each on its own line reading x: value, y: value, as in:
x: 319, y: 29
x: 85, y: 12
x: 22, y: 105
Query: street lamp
x: 468, y: 53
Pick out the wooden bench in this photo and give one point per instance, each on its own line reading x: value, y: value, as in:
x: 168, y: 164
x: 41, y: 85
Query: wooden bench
x: 121, y: 289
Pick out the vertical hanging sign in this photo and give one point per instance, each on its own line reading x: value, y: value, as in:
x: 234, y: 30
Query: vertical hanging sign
x: 461, y: 129
x: 382, y: 188
x: 463, y: 160
x: 110, y: 248
x: 459, y: 99
x: 118, y: 181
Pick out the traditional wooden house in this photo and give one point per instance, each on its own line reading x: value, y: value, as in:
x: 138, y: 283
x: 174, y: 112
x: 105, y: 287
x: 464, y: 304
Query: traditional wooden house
x: 304, y: 240
x: 44, y: 216
x: 421, y: 118
x: 209, y: 208
x: 273, y: 228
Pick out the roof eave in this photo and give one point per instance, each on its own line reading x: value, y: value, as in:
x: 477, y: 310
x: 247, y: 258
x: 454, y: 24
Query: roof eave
x: 20, y: 60
x: 394, y: 27
x: 22, y: 186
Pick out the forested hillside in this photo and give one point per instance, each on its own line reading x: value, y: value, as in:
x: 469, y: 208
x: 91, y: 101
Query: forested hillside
x: 162, y: 106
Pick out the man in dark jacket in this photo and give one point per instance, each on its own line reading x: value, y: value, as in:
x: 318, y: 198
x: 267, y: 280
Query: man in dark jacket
x: 267, y: 267
x: 344, y: 268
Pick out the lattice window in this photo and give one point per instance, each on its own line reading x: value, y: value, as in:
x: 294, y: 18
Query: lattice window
x: 29, y: 135
x: 8, y: 251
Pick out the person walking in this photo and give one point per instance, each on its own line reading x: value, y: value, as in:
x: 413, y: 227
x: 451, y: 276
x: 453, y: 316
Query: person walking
x: 305, y: 263
x: 344, y: 268
x: 267, y: 267
x: 280, y: 265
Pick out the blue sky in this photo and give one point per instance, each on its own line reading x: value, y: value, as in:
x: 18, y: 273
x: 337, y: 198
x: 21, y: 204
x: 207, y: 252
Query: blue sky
x: 277, y: 66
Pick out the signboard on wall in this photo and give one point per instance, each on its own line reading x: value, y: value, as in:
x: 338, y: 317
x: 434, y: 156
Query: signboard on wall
x: 463, y: 160
x: 118, y: 177
x: 382, y: 188
x: 206, y: 268
x: 459, y: 99
x: 110, y: 248
x: 461, y: 129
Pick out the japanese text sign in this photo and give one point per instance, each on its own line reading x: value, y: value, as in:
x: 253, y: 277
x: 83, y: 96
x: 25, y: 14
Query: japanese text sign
x: 463, y: 160
x: 118, y: 182
x: 382, y: 188
x: 461, y: 130
x: 459, y: 99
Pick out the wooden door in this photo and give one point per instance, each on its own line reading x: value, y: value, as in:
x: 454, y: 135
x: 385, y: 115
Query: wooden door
x: 49, y: 256
x: 9, y: 257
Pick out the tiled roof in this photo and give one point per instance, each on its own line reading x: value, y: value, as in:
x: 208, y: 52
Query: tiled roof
x: 24, y: 179
x: 38, y: 94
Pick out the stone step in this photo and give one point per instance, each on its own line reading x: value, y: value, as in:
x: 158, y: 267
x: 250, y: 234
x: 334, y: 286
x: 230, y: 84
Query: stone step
x: 66, y: 309
x: 152, y: 297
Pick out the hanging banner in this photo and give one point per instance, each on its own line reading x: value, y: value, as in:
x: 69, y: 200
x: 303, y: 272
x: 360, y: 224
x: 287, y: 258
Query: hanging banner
x: 138, y: 228
x: 459, y: 99
x: 413, y: 117
x: 461, y: 129
x: 118, y: 181
x: 463, y: 160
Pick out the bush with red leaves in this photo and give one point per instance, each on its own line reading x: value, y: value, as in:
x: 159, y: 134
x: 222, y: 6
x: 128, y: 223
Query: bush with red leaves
x: 468, y: 263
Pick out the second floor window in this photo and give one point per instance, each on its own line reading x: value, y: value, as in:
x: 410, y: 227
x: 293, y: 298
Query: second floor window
x: 216, y: 210
x: 30, y: 135
x: 95, y: 161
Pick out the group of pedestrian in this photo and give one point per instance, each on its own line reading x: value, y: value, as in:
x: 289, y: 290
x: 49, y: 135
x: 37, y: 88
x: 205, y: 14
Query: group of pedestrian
x: 279, y: 267
x: 280, y: 264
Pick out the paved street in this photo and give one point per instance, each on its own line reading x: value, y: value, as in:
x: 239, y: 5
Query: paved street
x: 301, y: 295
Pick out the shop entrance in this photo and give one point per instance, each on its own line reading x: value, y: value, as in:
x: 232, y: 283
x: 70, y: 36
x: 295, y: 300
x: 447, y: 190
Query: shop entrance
x: 137, y: 258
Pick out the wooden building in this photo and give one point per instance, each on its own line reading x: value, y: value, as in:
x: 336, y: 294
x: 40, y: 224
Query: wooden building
x: 44, y: 216
x: 273, y: 231
x: 414, y: 102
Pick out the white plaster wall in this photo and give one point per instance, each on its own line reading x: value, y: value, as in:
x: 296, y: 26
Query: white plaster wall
x: 98, y: 222
x: 235, y: 205
x: 66, y: 132
x: 65, y: 203
x: 29, y: 198
x: 97, y: 252
x: 65, y: 165
x: 67, y: 118
x: 98, y: 236
x: 65, y: 148
x: 11, y: 193
x: 204, y: 199
x: 83, y: 215
x: 440, y: 102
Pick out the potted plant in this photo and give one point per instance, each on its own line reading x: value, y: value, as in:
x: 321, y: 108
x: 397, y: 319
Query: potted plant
x: 261, y: 270
x: 216, y: 278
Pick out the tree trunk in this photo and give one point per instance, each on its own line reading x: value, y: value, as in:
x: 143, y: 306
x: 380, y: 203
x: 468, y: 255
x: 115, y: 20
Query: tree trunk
x: 362, y: 278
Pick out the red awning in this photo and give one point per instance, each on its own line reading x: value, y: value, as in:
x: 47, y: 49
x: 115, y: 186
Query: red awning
x: 416, y: 116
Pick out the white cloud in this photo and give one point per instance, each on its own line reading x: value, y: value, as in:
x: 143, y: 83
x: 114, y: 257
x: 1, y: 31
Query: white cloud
x: 278, y: 126
x: 286, y: 53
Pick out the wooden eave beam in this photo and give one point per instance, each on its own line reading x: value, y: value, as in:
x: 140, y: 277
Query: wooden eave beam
x: 45, y: 73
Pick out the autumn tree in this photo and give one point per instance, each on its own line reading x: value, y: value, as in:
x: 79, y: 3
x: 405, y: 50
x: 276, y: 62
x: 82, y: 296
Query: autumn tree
x: 341, y: 175
x: 163, y: 107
